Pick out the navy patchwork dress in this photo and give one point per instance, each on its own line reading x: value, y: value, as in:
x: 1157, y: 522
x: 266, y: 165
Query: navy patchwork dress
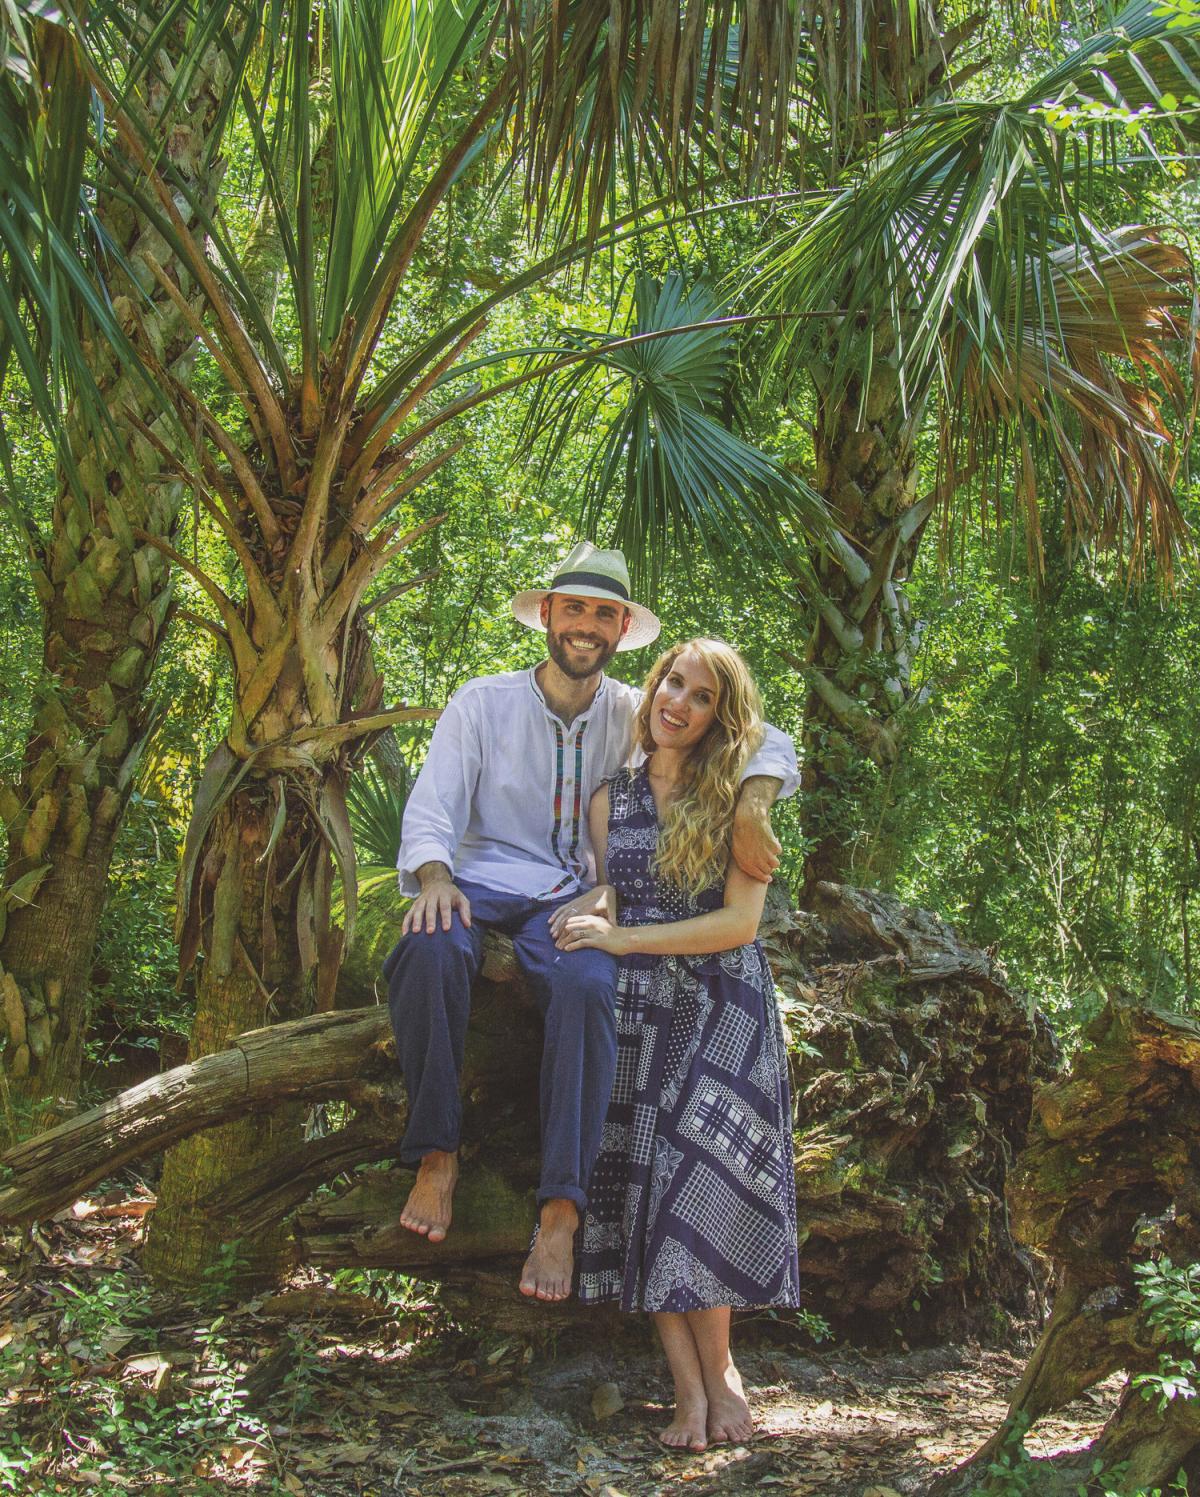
x: 692, y: 1203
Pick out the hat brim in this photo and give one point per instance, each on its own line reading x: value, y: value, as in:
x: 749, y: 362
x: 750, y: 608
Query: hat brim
x: 643, y: 629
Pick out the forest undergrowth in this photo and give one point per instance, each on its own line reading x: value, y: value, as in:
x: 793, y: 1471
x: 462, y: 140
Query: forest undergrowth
x: 359, y: 1384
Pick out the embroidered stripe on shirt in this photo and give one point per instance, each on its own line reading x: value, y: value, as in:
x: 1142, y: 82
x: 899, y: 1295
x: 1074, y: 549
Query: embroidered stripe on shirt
x: 575, y: 818
x: 558, y: 793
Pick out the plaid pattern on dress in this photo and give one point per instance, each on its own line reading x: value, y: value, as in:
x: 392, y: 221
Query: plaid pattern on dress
x: 692, y: 1202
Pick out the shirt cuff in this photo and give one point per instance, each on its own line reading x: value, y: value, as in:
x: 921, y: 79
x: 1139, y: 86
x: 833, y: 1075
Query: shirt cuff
x: 779, y: 767
x: 416, y: 856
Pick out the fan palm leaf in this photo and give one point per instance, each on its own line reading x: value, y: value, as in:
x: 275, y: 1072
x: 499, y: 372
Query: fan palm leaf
x: 658, y: 399
x: 972, y: 242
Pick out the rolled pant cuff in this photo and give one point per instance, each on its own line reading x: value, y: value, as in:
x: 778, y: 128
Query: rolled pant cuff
x: 563, y: 1193
x: 410, y: 1158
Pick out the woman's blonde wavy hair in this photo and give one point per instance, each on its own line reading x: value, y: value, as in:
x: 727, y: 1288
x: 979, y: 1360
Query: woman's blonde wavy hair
x: 693, y: 846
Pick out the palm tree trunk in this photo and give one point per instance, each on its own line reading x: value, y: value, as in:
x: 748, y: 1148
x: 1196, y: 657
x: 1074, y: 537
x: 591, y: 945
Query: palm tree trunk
x: 859, y: 655
x: 106, y: 598
x: 256, y: 909
x: 250, y: 977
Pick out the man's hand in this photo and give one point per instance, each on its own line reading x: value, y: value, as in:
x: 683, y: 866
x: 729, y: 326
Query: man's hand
x: 602, y: 900
x: 755, y: 847
x: 437, y: 901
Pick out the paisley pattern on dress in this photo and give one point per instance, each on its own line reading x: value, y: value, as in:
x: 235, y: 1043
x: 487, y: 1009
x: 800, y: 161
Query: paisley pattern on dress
x: 692, y: 1203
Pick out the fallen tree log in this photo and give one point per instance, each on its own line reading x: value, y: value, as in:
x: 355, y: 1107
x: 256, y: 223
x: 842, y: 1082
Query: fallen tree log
x: 1110, y: 1179
x: 912, y: 1065
x: 327, y: 1055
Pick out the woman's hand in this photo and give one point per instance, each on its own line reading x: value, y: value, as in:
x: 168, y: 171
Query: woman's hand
x: 602, y: 900
x: 596, y: 931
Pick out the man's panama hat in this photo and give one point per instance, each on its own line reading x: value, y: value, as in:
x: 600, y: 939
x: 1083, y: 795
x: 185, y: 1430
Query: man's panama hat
x: 589, y: 573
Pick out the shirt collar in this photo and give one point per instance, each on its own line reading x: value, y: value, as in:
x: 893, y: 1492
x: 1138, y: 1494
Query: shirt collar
x: 583, y: 717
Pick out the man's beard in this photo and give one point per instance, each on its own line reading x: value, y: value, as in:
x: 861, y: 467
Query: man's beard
x: 558, y: 650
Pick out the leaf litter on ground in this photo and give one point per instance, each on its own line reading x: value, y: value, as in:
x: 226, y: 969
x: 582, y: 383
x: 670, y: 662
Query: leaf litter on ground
x: 415, y: 1404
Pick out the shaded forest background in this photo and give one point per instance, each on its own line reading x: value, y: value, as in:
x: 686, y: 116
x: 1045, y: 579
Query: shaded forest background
x: 930, y: 346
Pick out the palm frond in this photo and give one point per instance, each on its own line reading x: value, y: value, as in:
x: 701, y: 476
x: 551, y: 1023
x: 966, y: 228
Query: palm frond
x: 376, y: 816
x: 50, y: 239
x: 969, y: 257
x: 391, y: 66
x: 1081, y: 365
x: 664, y: 458
x: 1148, y: 59
x: 596, y: 83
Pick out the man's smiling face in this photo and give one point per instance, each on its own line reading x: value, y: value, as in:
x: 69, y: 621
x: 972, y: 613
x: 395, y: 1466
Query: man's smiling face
x: 582, y: 634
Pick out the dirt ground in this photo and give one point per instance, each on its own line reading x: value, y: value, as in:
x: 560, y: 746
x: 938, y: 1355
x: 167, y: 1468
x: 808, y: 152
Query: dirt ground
x: 334, y: 1390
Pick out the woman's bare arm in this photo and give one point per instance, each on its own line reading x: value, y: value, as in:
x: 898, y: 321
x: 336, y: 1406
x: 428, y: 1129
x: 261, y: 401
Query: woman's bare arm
x: 734, y: 924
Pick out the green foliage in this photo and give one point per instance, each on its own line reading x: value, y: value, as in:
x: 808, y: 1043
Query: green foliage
x: 1013, y: 1473
x: 683, y: 479
x: 1171, y: 1306
x: 376, y: 814
x: 78, y: 1396
x: 1051, y: 806
x: 807, y: 1322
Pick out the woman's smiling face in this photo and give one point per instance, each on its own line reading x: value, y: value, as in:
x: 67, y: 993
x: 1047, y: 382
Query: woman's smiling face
x: 685, y: 703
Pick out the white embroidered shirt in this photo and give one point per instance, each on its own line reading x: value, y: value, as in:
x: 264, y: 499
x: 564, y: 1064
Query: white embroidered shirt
x: 503, y: 795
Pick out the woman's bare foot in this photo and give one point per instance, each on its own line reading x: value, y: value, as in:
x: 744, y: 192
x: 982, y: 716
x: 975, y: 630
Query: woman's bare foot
x: 430, y: 1202
x: 688, y: 1430
x: 729, y: 1416
x: 551, y: 1263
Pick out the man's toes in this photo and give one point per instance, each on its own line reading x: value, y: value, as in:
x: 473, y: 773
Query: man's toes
x: 435, y: 1234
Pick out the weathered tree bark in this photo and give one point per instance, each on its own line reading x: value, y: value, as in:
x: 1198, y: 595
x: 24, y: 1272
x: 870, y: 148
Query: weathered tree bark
x: 858, y: 660
x: 1109, y: 1179
x: 348, y: 1056
x: 105, y: 598
x: 252, y: 972
x: 912, y: 1081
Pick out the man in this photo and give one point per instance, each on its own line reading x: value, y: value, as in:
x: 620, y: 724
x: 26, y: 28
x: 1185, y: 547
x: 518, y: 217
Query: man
x: 495, y: 836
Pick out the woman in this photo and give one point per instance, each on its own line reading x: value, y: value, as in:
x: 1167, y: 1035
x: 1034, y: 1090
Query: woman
x: 692, y: 1202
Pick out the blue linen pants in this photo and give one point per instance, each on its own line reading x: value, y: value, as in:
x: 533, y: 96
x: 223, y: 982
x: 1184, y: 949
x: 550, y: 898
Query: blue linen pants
x: 429, y: 997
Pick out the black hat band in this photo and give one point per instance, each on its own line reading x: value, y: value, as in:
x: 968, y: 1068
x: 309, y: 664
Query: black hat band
x: 590, y: 579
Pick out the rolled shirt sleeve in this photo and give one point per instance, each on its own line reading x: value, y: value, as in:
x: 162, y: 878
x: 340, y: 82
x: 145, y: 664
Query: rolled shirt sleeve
x: 439, y: 803
x: 777, y: 758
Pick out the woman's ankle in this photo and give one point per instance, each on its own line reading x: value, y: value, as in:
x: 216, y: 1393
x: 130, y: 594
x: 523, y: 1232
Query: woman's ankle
x: 689, y: 1392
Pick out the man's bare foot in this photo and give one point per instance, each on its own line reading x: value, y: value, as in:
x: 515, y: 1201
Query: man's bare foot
x: 551, y: 1262
x: 688, y: 1430
x: 729, y: 1416
x: 429, y: 1206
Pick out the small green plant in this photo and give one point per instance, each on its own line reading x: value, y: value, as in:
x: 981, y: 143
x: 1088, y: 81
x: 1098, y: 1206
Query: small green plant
x: 1105, y: 1487
x: 394, y: 1291
x: 808, y: 1322
x: 220, y: 1278
x: 81, y: 1407
x: 931, y: 1275
x: 1012, y: 1473
x: 815, y: 1326
x: 1171, y: 1306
